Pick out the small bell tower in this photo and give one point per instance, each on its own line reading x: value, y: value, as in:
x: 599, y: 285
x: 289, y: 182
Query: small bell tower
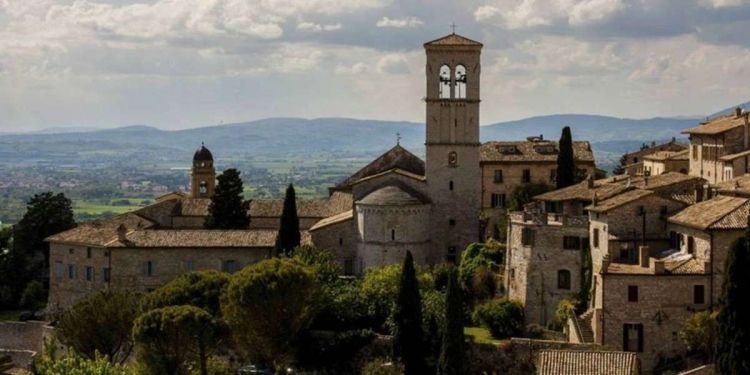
x: 203, y: 174
x: 452, y: 142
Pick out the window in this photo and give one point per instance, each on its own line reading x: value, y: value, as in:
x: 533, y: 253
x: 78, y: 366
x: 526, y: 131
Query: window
x: 498, y: 176
x: 690, y: 245
x: 72, y: 271
x: 453, y: 158
x: 460, y: 82
x: 191, y: 265
x: 451, y: 256
x: 674, y: 240
x: 526, y: 175
x: 59, y: 270
x: 571, y: 243
x: 88, y: 252
x: 445, y: 82
x: 553, y: 174
x: 393, y: 234
x: 149, y: 268
x: 640, y: 210
x: 635, y: 159
x: 632, y: 337
x: 632, y: 293
x: 450, y: 185
x: 527, y: 237
x: 663, y: 211
x: 106, y: 274
x: 348, y: 267
x: 203, y: 189
x: 71, y: 250
x: 563, y: 279
x: 230, y: 266
x: 699, y: 294
x: 89, y: 273
x: 499, y: 200
x: 341, y: 241
x: 452, y: 222
x: 596, y: 238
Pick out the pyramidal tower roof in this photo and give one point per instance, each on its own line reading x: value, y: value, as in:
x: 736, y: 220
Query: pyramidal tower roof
x: 453, y: 40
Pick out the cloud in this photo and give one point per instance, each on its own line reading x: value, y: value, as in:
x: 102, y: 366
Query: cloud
x: 356, y: 68
x: 723, y: 3
x: 316, y: 28
x: 399, y: 23
x: 295, y: 58
x: 534, y: 13
x: 393, y: 64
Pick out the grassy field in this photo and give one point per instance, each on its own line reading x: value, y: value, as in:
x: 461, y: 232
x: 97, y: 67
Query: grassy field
x: 481, y: 335
x: 92, y: 208
x: 9, y: 315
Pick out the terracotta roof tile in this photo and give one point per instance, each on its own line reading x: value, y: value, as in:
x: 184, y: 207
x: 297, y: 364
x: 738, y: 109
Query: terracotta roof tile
x: 395, y: 158
x: 570, y: 362
x: 722, y: 212
x: 619, y: 200
x: 737, y: 184
x: 718, y: 125
x: 453, y: 40
x: 735, y: 156
x: 344, y: 216
x: 100, y: 232
x: 530, y: 151
x: 165, y: 238
x: 264, y: 207
x: 668, y: 155
x: 393, y: 196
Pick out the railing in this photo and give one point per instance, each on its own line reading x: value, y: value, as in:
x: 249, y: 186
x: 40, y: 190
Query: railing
x: 572, y: 316
x: 542, y: 218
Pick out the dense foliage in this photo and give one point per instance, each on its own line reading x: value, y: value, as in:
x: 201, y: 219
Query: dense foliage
x: 733, y: 339
x: 620, y: 167
x: 699, y: 333
x: 174, y: 339
x: 289, y: 235
x: 452, y: 354
x: 408, y: 336
x: 524, y: 194
x: 267, y: 305
x: 228, y: 208
x: 502, y: 317
x: 102, y: 323
x: 46, y: 214
x: 566, y: 164
x: 71, y: 363
x: 201, y: 289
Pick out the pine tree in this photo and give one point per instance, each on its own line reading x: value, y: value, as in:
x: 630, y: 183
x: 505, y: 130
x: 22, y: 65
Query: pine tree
x: 733, y: 348
x: 620, y: 168
x: 453, y: 355
x: 289, y: 236
x: 408, y: 342
x: 46, y: 214
x: 228, y: 208
x: 566, y: 164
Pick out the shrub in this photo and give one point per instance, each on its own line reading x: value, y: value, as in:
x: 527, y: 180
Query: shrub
x: 32, y: 296
x: 699, y: 333
x: 201, y: 289
x: 484, y: 284
x: 502, y: 317
x: 73, y: 364
x: 379, y: 288
x: 564, y: 309
x: 494, y: 251
x: 382, y: 367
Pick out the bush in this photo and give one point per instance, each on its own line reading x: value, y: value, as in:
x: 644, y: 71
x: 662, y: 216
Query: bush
x: 33, y: 296
x: 484, y: 285
x: 379, y: 288
x: 383, y: 367
x: 699, y: 333
x: 564, y: 309
x: 494, y: 251
x: 74, y: 364
x: 201, y: 289
x: 502, y: 317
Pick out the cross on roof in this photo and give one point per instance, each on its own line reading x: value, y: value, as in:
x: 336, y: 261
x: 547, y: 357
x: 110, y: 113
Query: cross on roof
x: 398, y: 138
x: 453, y: 26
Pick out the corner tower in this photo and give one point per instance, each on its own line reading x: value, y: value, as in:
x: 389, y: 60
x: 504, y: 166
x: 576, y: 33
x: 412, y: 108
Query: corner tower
x: 452, y: 143
x: 203, y: 174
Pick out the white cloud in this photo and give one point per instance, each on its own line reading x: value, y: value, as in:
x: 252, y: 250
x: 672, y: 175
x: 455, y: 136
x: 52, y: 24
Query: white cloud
x: 522, y: 14
x: 723, y: 3
x: 316, y: 28
x: 399, y: 22
x: 294, y: 58
x: 393, y: 64
x: 356, y: 68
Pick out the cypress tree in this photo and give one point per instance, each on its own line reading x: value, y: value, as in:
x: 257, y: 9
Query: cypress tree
x: 228, y: 209
x: 453, y: 355
x: 408, y: 342
x: 289, y: 237
x: 733, y: 339
x: 620, y: 167
x: 566, y: 164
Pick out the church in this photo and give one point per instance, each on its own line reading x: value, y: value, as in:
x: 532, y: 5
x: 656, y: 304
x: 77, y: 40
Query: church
x: 396, y: 203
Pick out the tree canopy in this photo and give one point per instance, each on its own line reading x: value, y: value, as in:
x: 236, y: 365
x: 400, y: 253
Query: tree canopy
x: 201, y: 289
x: 102, y: 323
x: 453, y: 355
x: 46, y: 214
x: 566, y: 164
x: 289, y: 235
x: 733, y: 341
x: 620, y: 167
x: 228, y: 208
x: 408, y: 336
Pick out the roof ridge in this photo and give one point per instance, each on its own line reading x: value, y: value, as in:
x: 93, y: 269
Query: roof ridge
x: 747, y: 201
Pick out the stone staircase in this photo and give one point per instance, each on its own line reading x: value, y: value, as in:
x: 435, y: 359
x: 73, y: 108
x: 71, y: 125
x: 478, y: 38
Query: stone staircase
x: 584, y: 324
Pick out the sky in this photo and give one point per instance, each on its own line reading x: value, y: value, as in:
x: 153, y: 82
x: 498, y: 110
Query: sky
x: 186, y: 63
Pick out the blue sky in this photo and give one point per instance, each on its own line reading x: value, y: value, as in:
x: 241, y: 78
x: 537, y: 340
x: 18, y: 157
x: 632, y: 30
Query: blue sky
x: 186, y: 63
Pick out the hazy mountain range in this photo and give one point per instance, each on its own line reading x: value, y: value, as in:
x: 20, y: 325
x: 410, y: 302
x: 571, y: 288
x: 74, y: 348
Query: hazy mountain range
x: 278, y: 136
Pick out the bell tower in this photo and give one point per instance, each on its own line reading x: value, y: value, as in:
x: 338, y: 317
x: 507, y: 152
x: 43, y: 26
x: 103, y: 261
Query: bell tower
x: 203, y: 174
x: 452, y: 143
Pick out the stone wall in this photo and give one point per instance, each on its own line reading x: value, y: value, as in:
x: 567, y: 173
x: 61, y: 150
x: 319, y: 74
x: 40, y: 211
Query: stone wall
x: 21, y: 358
x: 22, y: 335
x: 68, y: 272
x: 341, y: 238
x: 705, y: 151
x: 664, y: 302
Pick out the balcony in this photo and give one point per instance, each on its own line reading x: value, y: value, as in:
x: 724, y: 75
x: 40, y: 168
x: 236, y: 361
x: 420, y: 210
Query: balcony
x: 542, y: 218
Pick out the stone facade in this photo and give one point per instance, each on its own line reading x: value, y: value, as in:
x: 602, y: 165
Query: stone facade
x: 716, y: 144
x: 634, y: 160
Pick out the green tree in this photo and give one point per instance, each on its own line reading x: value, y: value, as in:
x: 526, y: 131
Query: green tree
x: 502, y: 317
x: 453, y: 354
x: 408, y: 336
x: 74, y: 364
x: 585, y: 280
x: 228, y: 209
x: 620, y: 167
x: 201, y: 289
x: 323, y: 262
x: 46, y: 214
x: 268, y: 304
x: 289, y: 236
x: 566, y: 164
x: 173, y: 339
x: 699, y: 333
x: 15, y: 266
x: 102, y: 323
x: 733, y: 341
x: 33, y: 296
x: 523, y: 194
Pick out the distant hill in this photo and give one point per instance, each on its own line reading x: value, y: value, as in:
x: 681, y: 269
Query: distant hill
x: 729, y: 110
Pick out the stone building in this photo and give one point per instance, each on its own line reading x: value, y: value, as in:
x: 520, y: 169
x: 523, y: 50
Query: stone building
x: 634, y: 160
x: 666, y: 161
x: 506, y: 165
x: 719, y: 147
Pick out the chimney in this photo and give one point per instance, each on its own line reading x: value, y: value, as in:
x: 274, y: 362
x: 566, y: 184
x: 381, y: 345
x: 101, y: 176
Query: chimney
x: 658, y: 267
x: 121, y: 232
x: 653, y: 143
x: 541, y: 137
x: 737, y: 112
x: 590, y: 182
x: 699, y: 194
x: 674, y: 139
x: 643, y: 256
x: 645, y: 180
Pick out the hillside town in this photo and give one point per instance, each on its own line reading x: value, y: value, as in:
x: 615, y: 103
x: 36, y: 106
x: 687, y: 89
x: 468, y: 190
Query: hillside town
x: 503, y: 257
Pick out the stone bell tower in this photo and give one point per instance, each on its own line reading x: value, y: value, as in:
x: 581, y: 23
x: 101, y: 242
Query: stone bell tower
x: 452, y: 165
x: 203, y: 174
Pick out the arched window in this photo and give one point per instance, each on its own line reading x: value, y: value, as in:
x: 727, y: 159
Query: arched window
x: 563, y: 279
x: 460, y: 82
x: 452, y: 158
x: 445, y: 82
x: 203, y: 187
